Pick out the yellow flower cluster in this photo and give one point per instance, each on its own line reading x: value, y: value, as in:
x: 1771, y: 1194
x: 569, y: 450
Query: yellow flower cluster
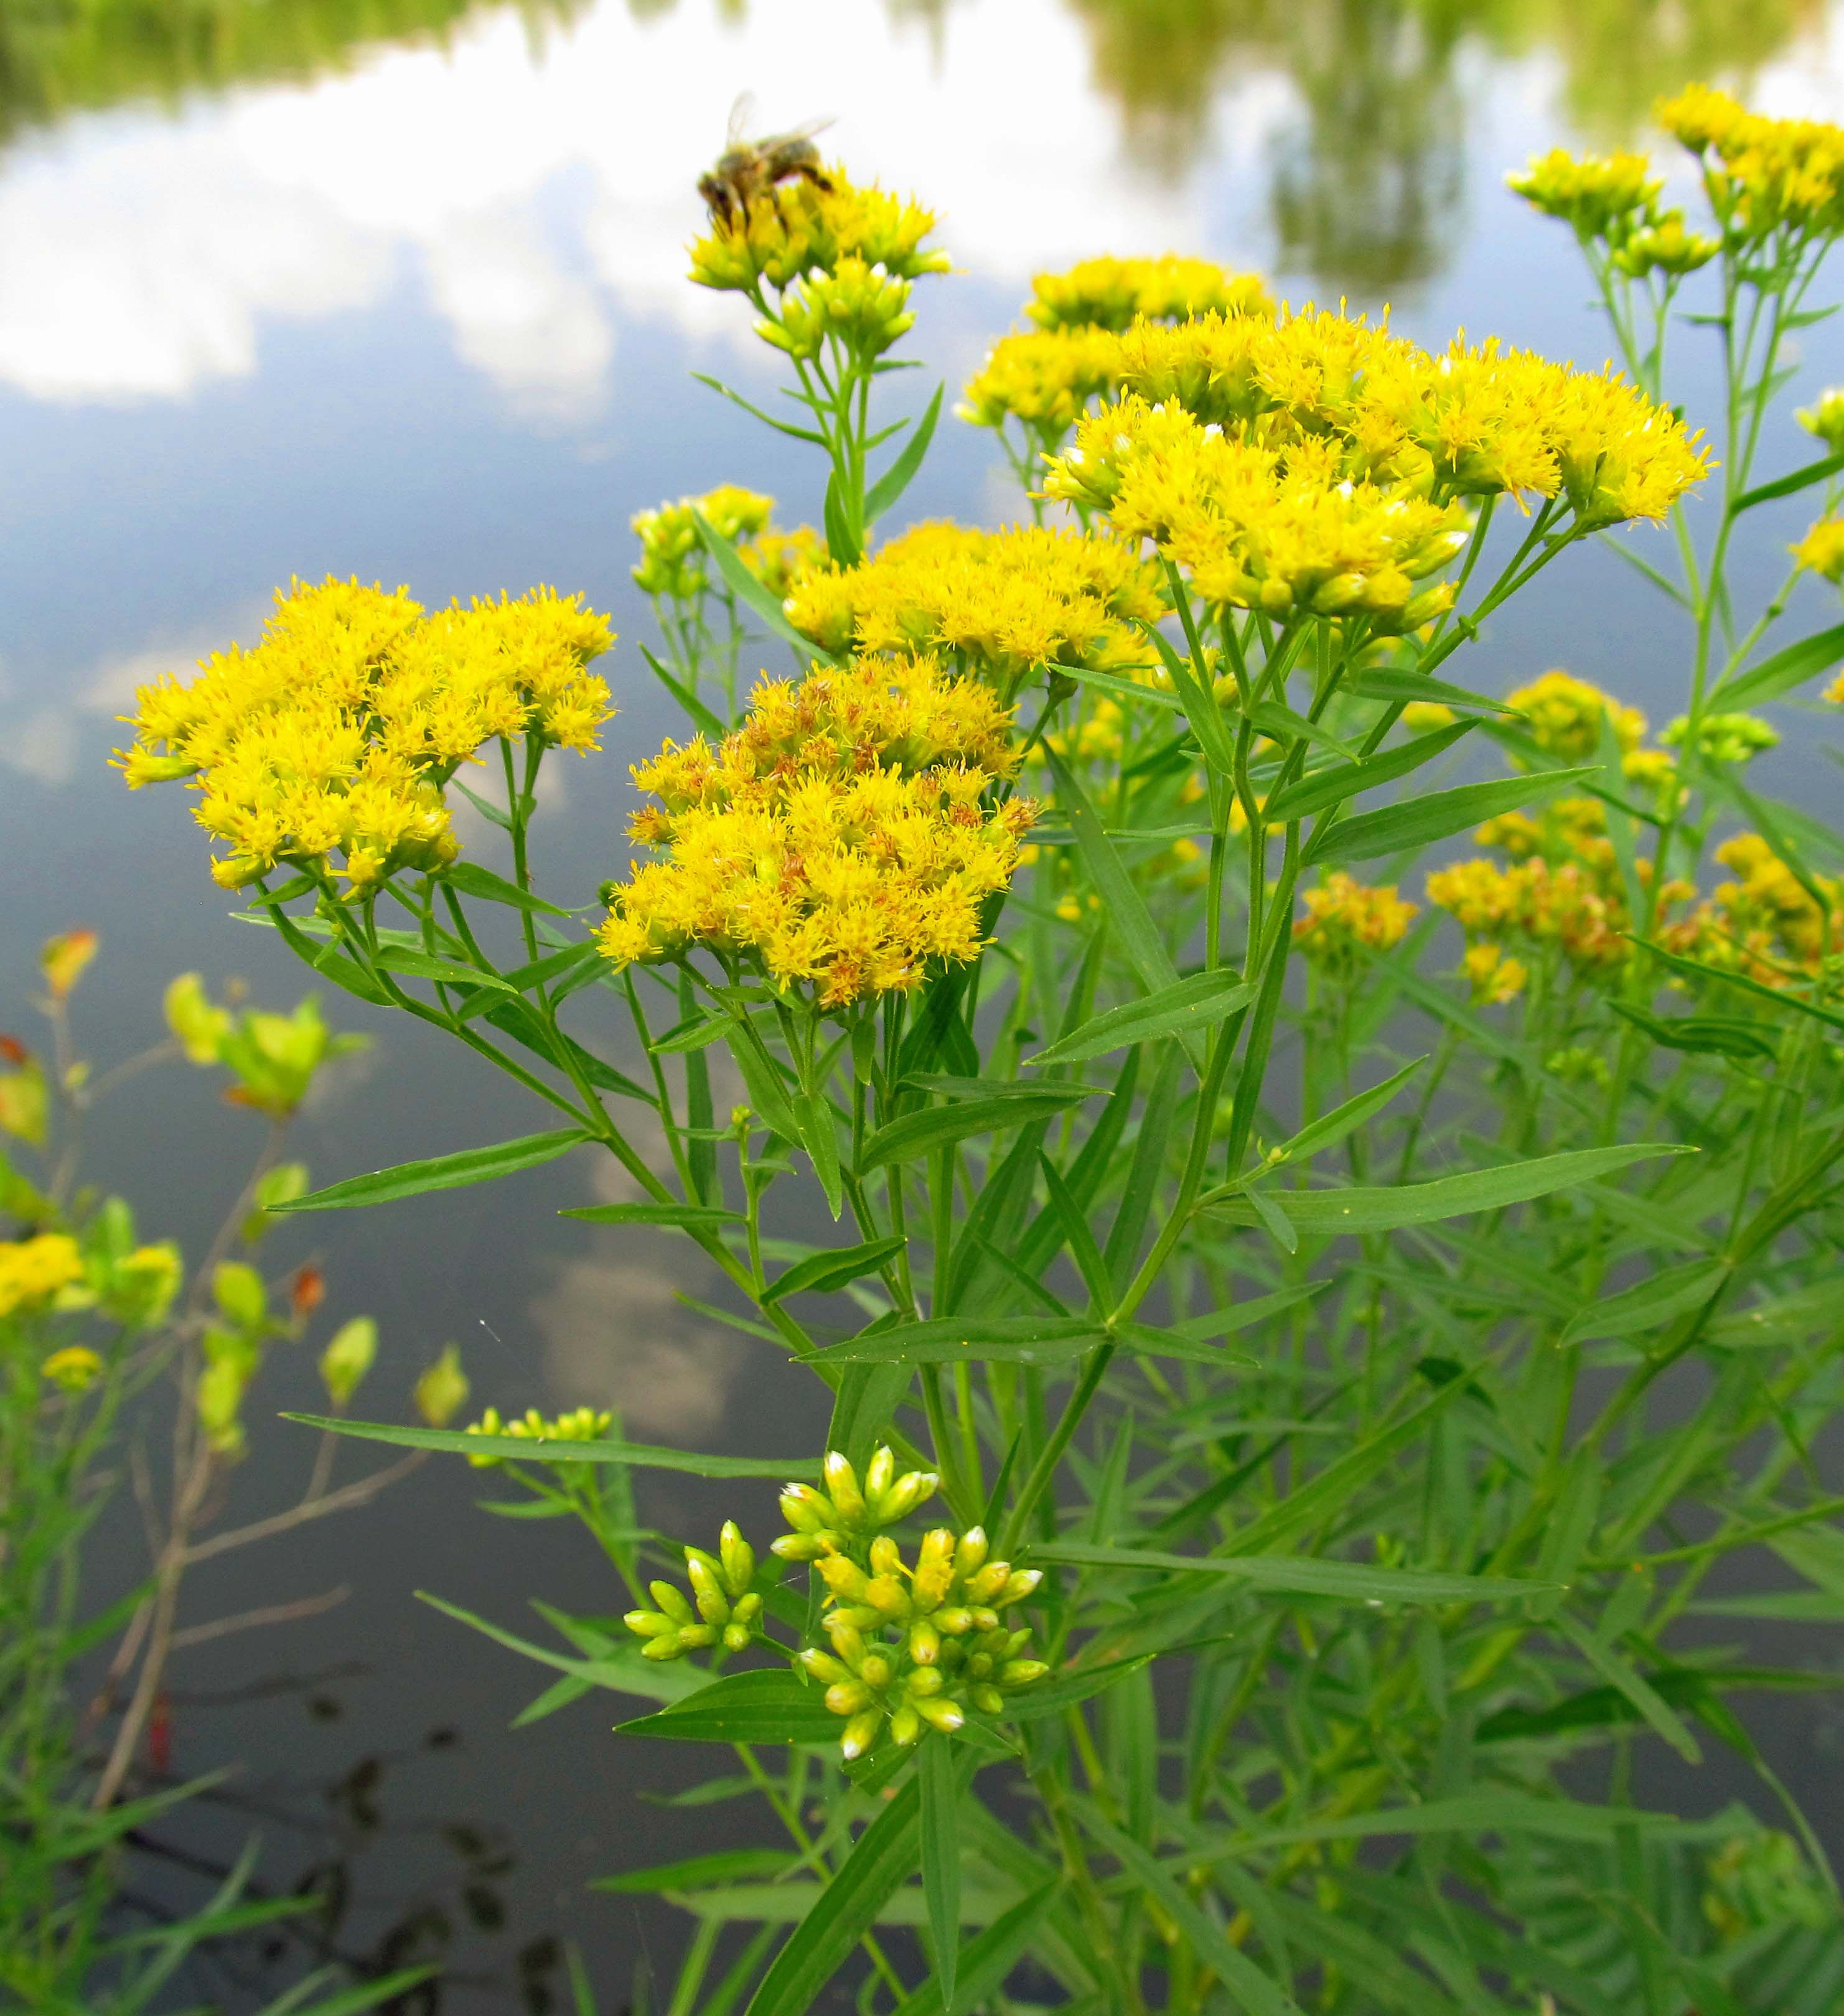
x: 1114, y: 294
x: 337, y: 733
x: 33, y: 1270
x: 1764, y: 923
x: 1763, y: 175
x: 1043, y: 377
x: 799, y: 228
x: 1323, y: 455
x: 1256, y: 527
x: 1492, y: 977
x: 841, y: 837
x: 1563, y: 715
x: 672, y: 553
x: 1002, y: 604
x: 1344, y: 914
x: 1821, y: 552
x: 723, y: 1605
x: 75, y: 1368
x: 782, y: 560
x: 1614, y: 197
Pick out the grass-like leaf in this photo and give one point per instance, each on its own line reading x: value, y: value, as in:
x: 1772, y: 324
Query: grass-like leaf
x: 440, y: 1173
x: 639, y: 1455
x: 1400, y: 828
x: 769, y: 1705
x: 1193, y: 1003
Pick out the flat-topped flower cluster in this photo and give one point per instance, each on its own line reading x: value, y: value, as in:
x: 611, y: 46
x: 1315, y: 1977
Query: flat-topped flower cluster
x: 844, y: 836
x: 325, y: 745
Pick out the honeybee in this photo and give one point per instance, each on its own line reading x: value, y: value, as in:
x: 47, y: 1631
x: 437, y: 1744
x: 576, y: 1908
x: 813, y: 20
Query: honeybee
x: 747, y: 169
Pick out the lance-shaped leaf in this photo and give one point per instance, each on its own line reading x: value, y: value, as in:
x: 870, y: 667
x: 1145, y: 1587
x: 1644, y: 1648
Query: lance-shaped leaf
x: 939, y: 1781
x: 1127, y: 914
x: 440, y: 1173
x: 820, y: 1273
x: 526, y: 1449
x: 895, y: 479
x: 1193, y: 1003
x: 1668, y: 1293
x: 751, y: 593
x: 1398, y: 828
x: 769, y: 1705
x: 881, y: 1857
x: 468, y: 878
x: 1397, y: 682
x: 912, y: 1134
x: 691, y: 1217
x: 1351, y: 1581
x: 1702, y: 1035
x: 986, y: 1960
x: 1777, y: 676
x: 1385, y: 1209
x: 1339, y: 781
x: 1694, y: 968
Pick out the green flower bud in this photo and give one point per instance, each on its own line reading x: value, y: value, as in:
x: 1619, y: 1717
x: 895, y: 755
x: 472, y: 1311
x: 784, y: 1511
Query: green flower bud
x: 841, y: 1486
x: 941, y: 1713
x: 671, y: 1600
x: 861, y: 1733
x: 738, y: 1558
x: 905, y: 1725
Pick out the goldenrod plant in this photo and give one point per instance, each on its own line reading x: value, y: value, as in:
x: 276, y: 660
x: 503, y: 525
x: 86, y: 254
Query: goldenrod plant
x: 105, y: 1334
x: 1313, y: 1307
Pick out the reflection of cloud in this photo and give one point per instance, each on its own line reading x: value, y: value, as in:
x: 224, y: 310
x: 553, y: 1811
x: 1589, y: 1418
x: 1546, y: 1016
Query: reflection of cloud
x: 614, y: 1335
x: 138, y: 259
x: 43, y: 746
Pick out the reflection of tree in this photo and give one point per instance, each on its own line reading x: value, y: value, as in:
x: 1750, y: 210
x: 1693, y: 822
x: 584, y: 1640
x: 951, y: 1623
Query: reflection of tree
x: 1368, y: 179
x: 58, y: 56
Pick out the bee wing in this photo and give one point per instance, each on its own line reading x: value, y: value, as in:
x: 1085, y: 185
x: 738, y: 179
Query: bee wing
x: 812, y: 126
x: 742, y: 116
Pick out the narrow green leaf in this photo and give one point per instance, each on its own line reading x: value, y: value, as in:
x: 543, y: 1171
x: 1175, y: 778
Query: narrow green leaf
x: 1774, y: 677
x: 1331, y: 1128
x: 367, y: 1995
x: 1127, y: 914
x: 693, y: 1035
x: 688, y: 1215
x: 695, y: 708
x: 1788, y: 485
x: 1694, y: 968
x: 564, y: 963
x: 756, y: 413
x: 895, y: 479
x: 911, y: 1135
x: 1271, y: 1214
x: 1621, y: 1674
x: 951, y: 1340
x: 941, y: 1853
x: 638, y: 1455
x: 1350, y: 1582
x: 1193, y: 1003
x: 454, y: 972
x: 493, y: 814
x: 1325, y: 1212
x: 1396, y: 683
x: 1339, y: 781
x: 1079, y: 1239
x: 1702, y: 1035
x: 697, y: 1872
x: 987, y: 1961
x: 1667, y: 1294
x: 820, y: 1273
x: 882, y: 1857
x: 622, y: 1670
x: 1251, y: 1989
x: 769, y: 1705
x: 751, y: 592
x: 440, y: 1173
x: 1066, y: 1691
x: 468, y: 878
x: 1416, y: 823
x: 820, y: 1138
x: 1501, y: 1811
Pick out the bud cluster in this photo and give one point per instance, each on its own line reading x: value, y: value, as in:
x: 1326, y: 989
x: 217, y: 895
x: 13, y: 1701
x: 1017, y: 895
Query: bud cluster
x: 722, y: 1607
x: 865, y: 308
x: 916, y: 1646
x: 844, y: 1516
x: 581, y: 1424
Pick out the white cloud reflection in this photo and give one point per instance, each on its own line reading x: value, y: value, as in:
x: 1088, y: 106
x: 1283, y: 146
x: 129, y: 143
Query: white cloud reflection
x: 533, y: 196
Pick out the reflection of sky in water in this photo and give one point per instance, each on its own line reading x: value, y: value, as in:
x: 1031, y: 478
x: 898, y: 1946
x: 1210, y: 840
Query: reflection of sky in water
x: 425, y: 322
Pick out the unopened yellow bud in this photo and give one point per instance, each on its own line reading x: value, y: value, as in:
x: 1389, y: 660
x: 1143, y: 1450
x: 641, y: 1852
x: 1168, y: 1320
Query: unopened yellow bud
x: 861, y: 1733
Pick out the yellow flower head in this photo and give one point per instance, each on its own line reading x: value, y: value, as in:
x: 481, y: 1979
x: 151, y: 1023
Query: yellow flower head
x: 1044, y: 377
x: 671, y: 554
x: 1763, y: 176
x: 335, y: 735
x: 33, y: 1270
x: 1001, y: 604
x: 1821, y: 552
x: 1343, y: 914
x: 1563, y: 716
x: 782, y: 560
x: 76, y: 1368
x: 1593, y: 193
x: 1114, y: 293
x: 800, y: 228
x: 841, y: 839
x: 1492, y: 977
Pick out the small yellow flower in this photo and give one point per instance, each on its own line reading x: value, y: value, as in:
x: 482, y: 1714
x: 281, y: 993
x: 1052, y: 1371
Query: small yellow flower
x: 1563, y: 716
x: 32, y: 1271
x: 1492, y: 975
x: 76, y: 1368
x: 1343, y: 914
x: 1821, y: 552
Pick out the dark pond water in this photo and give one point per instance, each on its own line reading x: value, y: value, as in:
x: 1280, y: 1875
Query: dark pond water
x: 393, y: 287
